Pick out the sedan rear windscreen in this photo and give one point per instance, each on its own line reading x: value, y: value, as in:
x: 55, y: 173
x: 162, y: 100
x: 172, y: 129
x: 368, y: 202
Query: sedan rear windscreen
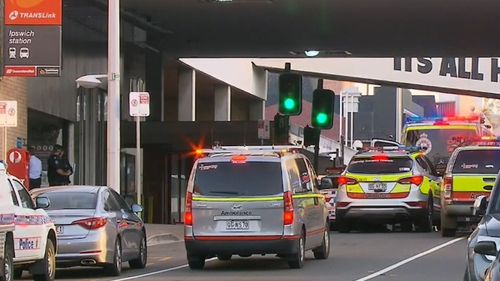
x: 71, y: 200
x: 477, y: 162
x: 380, y: 165
x: 238, y: 179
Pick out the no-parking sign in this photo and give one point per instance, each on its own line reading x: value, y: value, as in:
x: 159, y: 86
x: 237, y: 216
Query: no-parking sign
x: 139, y: 104
x: 8, y: 113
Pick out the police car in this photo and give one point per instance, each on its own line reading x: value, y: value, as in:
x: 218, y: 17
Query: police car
x: 6, y: 244
x: 394, y: 186
x: 471, y: 173
x: 34, y: 237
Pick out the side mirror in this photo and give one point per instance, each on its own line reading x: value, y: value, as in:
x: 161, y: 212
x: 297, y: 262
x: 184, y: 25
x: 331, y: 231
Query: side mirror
x: 136, y: 208
x: 480, y: 205
x: 42, y: 202
x: 488, y: 248
x: 326, y: 183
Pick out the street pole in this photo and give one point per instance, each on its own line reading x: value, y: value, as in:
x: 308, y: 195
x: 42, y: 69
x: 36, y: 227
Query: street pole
x: 138, y: 160
x: 399, y: 114
x: 113, y: 129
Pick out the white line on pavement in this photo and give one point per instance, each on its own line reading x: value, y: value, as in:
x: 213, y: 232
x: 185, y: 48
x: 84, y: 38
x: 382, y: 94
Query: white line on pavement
x: 156, y: 272
x: 403, y: 262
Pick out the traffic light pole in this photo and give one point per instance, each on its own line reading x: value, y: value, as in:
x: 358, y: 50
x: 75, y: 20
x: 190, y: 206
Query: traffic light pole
x: 316, y: 155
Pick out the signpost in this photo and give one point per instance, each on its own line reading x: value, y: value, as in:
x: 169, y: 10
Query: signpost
x: 263, y: 130
x: 139, y: 107
x: 8, y: 118
x: 32, y: 38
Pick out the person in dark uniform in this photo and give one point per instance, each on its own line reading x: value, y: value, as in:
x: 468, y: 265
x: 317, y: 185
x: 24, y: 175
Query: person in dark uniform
x: 59, y: 168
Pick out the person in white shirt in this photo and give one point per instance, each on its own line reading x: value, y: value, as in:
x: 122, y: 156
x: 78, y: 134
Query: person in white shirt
x: 35, y: 171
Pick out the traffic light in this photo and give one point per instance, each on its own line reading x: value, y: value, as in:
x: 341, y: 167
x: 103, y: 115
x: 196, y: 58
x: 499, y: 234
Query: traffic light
x: 281, y: 129
x: 311, y: 136
x: 323, y: 109
x: 290, y: 95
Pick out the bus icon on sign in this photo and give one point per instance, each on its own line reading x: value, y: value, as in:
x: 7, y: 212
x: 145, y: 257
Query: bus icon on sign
x: 24, y: 53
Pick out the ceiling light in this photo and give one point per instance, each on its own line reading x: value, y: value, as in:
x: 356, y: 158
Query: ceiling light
x: 311, y: 53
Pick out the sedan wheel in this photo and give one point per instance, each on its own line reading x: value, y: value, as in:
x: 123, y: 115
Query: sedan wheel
x: 142, y: 260
x: 115, y: 269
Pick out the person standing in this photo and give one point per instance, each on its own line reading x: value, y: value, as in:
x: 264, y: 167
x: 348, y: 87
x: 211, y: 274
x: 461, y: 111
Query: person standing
x: 59, y: 168
x: 35, y: 171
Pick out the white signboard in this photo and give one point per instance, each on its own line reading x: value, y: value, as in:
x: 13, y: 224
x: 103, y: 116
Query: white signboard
x: 263, y: 130
x: 472, y: 76
x: 8, y: 113
x: 139, y: 104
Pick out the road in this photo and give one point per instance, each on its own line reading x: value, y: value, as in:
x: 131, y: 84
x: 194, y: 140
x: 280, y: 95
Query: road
x: 354, y: 256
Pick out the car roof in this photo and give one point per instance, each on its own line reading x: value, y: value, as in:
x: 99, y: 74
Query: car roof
x: 252, y: 156
x: 397, y: 153
x: 477, y: 147
x: 68, y: 188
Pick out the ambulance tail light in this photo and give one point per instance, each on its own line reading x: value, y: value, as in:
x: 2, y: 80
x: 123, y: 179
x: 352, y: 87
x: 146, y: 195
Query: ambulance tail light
x: 188, y: 212
x: 91, y: 223
x: 346, y: 181
x: 288, y: 208
x: 416, y: 180
x: 448, y: 187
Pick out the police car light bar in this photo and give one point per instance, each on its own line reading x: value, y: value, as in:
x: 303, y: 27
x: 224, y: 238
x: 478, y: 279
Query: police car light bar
x: 418, y: 119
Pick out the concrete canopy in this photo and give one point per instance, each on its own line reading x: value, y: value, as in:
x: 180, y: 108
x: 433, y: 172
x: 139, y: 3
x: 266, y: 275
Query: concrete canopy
x: 286, y: 28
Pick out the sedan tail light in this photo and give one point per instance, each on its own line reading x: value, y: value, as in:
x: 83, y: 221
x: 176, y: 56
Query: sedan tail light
x: 91, y: 223
x: 346, y: 181
x: 416, y: 180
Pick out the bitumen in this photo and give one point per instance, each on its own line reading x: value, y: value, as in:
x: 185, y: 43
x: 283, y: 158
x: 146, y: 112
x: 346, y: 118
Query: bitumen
x: 158, y: 234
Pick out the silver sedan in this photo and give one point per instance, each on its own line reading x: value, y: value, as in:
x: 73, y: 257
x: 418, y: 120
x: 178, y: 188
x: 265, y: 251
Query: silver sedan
x: 95, y: 227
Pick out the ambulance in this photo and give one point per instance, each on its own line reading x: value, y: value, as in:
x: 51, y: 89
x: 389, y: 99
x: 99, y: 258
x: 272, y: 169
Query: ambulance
x: 438, y: 137
x: 33, y: 239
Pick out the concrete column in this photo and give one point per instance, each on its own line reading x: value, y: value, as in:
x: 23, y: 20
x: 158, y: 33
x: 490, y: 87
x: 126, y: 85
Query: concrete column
x: 187, y: 94
x: 222, y: 103
x: 257, y: 110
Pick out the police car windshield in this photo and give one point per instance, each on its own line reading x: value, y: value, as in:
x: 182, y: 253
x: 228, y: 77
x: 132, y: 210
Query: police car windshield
x: 71, y: 200
x: 238, y: 179
x: 380, y: 165
x: 439, y: 143
x: 477, y: 162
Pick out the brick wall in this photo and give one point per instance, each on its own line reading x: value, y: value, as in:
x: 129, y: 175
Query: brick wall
x: 13, y: 88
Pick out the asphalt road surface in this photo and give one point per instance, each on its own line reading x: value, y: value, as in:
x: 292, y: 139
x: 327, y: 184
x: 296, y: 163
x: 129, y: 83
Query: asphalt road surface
x: 354, y: 256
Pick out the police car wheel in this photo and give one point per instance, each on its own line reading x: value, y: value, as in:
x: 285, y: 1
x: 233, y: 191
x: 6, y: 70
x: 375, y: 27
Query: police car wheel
x: 8, y: 262
x: 49, y: 264
x: 426, y: 222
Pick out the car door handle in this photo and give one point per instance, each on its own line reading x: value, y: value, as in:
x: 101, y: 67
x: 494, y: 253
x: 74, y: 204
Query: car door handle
x: 488, y: 187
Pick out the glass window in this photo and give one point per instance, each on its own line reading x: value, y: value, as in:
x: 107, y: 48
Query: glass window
x: 374, y: 165
x: 293, y: 176
x: 238, y: 179
x: 422, y: 163
x: 305, y: 178
x: 13, y: 194
x: 121, y: 202
x: 110, y: 203
x: 26, y: 201
x: 477, y: 162
x: 71, y: 200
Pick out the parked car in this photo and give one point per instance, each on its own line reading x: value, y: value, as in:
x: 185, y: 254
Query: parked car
x: 34, y: 236
x: 484, y: 241
x: 87, y: 216
x: 328, y: 187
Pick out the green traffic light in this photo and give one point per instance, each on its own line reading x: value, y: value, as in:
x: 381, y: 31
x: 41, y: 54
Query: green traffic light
x: 289, y: 104
x: 321, y: 118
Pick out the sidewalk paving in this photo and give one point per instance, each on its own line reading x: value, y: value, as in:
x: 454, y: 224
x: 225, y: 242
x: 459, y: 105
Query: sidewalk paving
x: 164, y: 233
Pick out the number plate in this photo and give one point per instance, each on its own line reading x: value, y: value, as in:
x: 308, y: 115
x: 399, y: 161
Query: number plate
x: 237, y: 225
x: 59, y: 229
x: 377, y: 187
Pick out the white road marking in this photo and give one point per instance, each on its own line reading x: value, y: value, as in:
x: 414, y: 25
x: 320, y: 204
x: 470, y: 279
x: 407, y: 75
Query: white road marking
x: 156, y: 272
x: 403, y: 262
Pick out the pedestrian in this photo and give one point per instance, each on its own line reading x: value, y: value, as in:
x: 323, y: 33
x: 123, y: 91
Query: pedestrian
x: 35, y: 170
x: 59, y: 168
